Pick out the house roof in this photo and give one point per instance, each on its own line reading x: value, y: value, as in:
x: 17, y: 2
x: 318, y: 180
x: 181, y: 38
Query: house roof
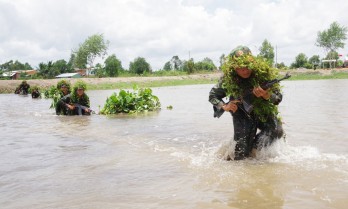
x: 67, y: 75
x: 9, y: 74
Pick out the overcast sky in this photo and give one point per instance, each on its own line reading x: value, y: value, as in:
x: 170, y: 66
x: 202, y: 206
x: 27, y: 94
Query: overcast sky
x: 37, y: 31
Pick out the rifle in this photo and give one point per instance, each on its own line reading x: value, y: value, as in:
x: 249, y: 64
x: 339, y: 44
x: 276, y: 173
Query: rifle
x: 81, y: 107
x: 244, y: 102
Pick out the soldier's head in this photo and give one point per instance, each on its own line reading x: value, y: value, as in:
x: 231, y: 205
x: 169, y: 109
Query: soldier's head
x: 241, y: 56
x: 79, y: 88
x: 80, y: 91
x: 64, y: 88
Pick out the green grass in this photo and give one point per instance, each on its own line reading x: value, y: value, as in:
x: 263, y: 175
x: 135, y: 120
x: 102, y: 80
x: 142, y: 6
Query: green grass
x: 189, y: 81
x: 149, y: 84
x: 318, y: 76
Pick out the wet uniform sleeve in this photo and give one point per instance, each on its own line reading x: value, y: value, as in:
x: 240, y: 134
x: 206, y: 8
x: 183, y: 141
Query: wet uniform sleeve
x: 216, y: 94
x: 86, y: 101
x: 66, y: 99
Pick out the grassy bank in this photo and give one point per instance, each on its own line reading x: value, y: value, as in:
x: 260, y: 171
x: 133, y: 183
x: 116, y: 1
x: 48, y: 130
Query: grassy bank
x: 318, y: 75
x: 149, y: 81
x: 144, y: 84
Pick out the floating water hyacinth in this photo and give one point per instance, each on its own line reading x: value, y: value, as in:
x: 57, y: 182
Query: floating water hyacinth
x: 140, y: 100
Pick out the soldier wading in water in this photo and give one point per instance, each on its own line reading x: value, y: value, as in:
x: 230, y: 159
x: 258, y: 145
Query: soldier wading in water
x: 243, y: 75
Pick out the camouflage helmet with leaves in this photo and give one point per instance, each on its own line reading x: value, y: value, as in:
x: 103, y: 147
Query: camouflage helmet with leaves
x: 63, y: 83
x: 80, y: 85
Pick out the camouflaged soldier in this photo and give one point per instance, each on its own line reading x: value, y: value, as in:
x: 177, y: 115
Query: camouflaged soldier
x: 240, y: 77
x: 64, y: 93
x: 24, y: 88
x: 79, y: 104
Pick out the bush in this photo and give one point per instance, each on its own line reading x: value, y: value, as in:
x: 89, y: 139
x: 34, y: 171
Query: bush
x: 141, y: 100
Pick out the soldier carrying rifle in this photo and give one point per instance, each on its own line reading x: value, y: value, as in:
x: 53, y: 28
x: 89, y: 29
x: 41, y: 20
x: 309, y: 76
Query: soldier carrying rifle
x: 253, y: 101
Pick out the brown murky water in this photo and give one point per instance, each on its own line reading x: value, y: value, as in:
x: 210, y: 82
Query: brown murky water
x: 171, y: 159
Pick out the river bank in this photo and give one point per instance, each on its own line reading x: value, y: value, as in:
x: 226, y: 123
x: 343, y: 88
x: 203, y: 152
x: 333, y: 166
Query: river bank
x: 8, y: 86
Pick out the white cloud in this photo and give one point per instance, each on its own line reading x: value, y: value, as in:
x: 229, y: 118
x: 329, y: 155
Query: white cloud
x: 37, y: 31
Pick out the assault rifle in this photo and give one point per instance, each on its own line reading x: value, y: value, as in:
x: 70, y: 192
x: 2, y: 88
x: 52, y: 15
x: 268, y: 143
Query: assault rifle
x: 244, y: 103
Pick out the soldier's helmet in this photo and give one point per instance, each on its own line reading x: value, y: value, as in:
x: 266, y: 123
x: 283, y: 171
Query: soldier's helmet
x: 239, y: 51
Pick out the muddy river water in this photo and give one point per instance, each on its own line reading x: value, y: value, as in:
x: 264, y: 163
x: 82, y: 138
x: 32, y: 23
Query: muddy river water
x: 172, y: 158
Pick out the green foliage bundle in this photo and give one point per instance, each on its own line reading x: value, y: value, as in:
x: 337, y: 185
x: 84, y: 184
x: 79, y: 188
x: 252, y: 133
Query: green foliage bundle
x: 141, y: 100
x: 261, y: 73
x: 54, y: 94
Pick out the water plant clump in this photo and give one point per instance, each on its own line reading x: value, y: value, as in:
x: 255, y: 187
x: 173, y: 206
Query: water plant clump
x: 140, y: 100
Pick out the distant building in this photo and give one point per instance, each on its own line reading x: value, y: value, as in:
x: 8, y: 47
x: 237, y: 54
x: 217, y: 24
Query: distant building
x: 85, y: 72
x: 69, y: 75
x: 14, y: 75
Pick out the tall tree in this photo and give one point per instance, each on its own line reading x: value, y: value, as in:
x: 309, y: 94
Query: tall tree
x: 94, y: 46
x: 167, y: 66
x: 113, y: 66
x: 189, y: 66
x: 60, y: 66
x: 314, y: 61
x: 139, y: 66
x: 300, y: 61
x: 176, y: 63
x: 205, y: 65
x: 332, y: 38
x: 222, y: 60
x: 267, y: 52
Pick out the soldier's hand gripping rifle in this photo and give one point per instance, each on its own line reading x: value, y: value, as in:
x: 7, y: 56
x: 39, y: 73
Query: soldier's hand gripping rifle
x: 245, y: 102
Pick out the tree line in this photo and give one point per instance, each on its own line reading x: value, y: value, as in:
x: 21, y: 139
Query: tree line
x: 96, y: 46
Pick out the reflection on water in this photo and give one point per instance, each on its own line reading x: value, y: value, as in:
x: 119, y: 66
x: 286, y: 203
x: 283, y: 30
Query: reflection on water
x: 173, y: 158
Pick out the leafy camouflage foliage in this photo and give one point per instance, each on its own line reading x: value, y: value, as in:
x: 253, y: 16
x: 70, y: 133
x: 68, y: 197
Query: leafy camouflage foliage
x: 261, y: 73
x: 140, y: 100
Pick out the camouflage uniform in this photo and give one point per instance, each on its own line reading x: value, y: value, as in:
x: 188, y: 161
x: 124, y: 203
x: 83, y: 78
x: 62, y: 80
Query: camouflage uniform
x: 246, y: 125
x: 24, y: 88
x: 61, y: 106
x: 83, y: 100
x: 35, y: 94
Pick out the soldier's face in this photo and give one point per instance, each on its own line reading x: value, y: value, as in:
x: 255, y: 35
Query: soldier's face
x: 64, y: 89
x: 243, y: 72
x: 80, y: 92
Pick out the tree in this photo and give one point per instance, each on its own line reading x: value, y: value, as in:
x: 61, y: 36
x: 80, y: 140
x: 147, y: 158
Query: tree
x: 281, y: 65
x: 99, y: 70
x: 205, y: 65
x: 167, y: 66
x: 300, y: 61
x: 12, y: 66
x: 176, y: 63
x: 332, y: 38
x: 47, y: 70
x: 94, y: 46
x: 267, y: 52
x: 60, y: 66
x: 314, y: 61
x: 189, y: 66
x: 222, y: 60
x: 139, y: 66
x: 71, y: 63
x: 113, y: 66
